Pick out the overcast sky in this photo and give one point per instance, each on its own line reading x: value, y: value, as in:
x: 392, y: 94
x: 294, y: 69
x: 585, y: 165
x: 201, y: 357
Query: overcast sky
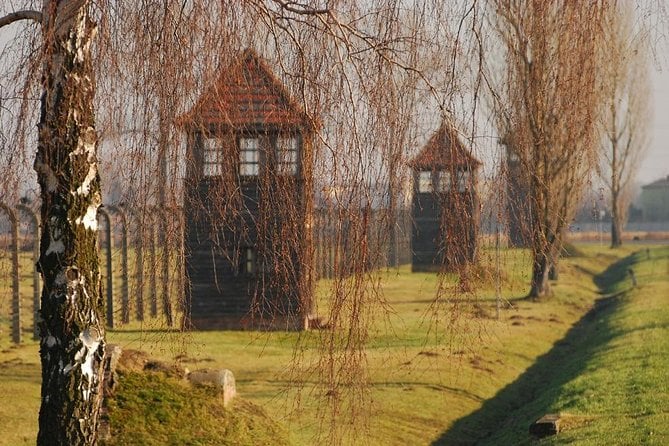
x: 656, y: 163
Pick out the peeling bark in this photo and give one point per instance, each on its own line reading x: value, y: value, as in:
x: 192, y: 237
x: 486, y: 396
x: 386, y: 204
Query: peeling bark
x: 72, y: 328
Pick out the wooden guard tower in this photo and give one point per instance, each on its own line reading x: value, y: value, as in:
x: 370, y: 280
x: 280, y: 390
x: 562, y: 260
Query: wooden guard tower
x: 445, y: 206
x: 518, y: 202
x: 248, y: 203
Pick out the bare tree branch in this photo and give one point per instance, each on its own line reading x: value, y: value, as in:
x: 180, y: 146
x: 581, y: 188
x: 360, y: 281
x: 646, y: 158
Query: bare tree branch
x: 301, y: 8
x: 27, y: 14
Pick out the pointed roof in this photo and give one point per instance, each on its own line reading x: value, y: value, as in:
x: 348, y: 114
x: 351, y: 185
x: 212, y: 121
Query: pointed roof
x: 662, y: 183
x: 444, y: 151
x: 246, y: 93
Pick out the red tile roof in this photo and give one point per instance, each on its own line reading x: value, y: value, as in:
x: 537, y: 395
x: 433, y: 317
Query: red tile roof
x: 246, y: 93
x: 443, y: 151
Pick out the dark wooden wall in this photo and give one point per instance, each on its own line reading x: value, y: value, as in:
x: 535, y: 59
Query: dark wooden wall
x: 518, y: 205
x: 225, y: 216
x: 445, y: 229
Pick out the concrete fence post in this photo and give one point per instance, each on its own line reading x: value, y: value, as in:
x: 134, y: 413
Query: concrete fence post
x: 153, y: 296
x: 182, y: 282
x: 139, y: 263
x: 16, y: 297
x: 36, y: 279
x: 125, y: 298
x: 110, y: 271
x: 165, y: 265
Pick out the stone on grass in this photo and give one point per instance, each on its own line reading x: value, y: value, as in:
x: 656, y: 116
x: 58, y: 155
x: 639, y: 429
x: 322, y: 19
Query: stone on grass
x: 220, y: 378
x: 112, y: 355
x: 545, y: 426
x: 110, y: 381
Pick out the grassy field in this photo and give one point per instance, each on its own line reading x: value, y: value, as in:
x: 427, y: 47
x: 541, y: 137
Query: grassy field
x: 428, y: 376
x: 607, y: 377
x: 26, y: 290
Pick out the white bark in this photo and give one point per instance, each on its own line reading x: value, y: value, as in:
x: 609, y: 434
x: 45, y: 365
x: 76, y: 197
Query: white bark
x: 72, y: 328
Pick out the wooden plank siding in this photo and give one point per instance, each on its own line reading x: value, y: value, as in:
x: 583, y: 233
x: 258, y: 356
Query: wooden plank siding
x: 518, y: 202
x: 445, y: 230
x: 446, y: 213
x: 248, y: 223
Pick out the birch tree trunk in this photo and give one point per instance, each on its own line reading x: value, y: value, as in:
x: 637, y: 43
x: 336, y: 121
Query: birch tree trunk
x: 72, y: 328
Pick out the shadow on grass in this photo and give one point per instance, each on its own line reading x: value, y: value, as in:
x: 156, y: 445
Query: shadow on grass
x: 509, y: 413
x: 610, y: 279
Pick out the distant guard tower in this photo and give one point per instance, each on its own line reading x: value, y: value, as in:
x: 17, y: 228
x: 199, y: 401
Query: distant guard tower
x: 518, y: 200
x: 445, y: 206
x: 248, y: 203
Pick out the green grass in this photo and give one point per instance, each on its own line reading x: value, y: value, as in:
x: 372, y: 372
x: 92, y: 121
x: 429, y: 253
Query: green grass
x: 622, y: 397
x: 429, y: 364
x: 607, y: 377
x: 19, y: 394
x: 26, y: 292
x: 152, y: 409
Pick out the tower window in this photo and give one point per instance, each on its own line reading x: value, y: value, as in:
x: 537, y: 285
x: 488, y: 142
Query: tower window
x: 444, y: 181
x: 464, y: 180
x: 287, y: 155
x: 425, y: 182
x: 249, y: 156
x: 249, y: 265
x: 212, y: 157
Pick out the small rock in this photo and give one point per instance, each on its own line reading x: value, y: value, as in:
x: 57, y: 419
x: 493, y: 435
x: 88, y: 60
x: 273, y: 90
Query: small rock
x: 221, y: 378
x: 545, y: 426
x: 110, y: 380
x: 112, y: 354
x: 316, y: 323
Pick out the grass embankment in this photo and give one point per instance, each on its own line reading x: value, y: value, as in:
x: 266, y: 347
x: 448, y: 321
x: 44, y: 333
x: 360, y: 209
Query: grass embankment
x: 425, y: 368
x: 154, y: 409
x: 607, y: 377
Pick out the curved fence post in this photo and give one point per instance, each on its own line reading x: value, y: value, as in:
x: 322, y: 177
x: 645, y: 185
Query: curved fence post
x: 108, y: 256
x: 36, y: 279
x: 16, y: 297
x: 184, y: 305
x: 318, y: 246
x: 153, y: 296
x: 139, y: 263
x: 125, y: 299
x: 165, y: 269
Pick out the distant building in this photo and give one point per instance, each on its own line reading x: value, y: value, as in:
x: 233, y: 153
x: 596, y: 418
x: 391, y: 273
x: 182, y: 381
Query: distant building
x: 248, y: 203
x: 518, y: 202
x: 654, y: 200
x: 445, y: 206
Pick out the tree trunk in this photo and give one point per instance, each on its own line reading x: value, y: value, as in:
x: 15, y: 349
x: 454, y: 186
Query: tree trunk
x: 556, y: 251
x: 72, y: 325
x: 543, y: 223
x: 541, y: 266
x: 554, y: 271
x: 616, y: 223
x: 544, y: 254
x: 616, y: 233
